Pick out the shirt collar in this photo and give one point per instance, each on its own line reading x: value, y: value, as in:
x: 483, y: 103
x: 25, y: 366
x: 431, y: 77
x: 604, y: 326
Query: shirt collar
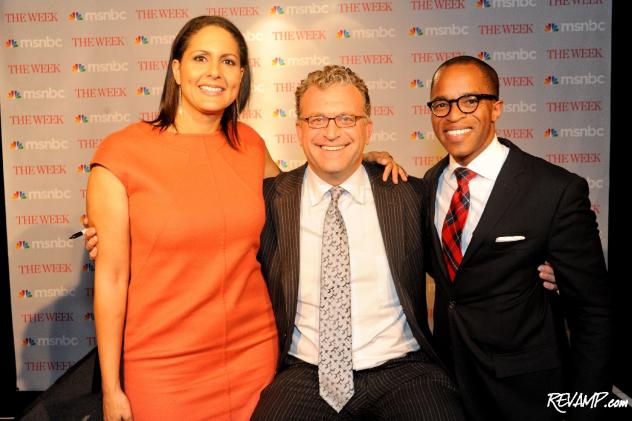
x: 316, y: 189
x: 488, y: 163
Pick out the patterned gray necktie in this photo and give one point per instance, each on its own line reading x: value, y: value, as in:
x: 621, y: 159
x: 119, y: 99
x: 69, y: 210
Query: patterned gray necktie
x: 335, y: 370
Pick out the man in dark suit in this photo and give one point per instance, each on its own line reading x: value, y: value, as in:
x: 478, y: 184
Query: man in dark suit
x: 396, y: 374
x: 502, y: 332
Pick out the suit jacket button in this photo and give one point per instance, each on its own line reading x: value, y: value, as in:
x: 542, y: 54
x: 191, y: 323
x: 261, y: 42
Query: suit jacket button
x: 452, y: 305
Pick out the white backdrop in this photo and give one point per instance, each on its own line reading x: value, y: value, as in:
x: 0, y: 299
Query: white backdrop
x: 71, y: 72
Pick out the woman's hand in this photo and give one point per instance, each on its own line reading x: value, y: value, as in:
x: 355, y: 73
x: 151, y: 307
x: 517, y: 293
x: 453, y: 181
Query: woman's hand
x: 391, y: 167
x: 116, y: 407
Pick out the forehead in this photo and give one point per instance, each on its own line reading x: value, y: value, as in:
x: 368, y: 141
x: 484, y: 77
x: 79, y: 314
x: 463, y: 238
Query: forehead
x: 213, y: 37
x: 456, y: 80
x: 335, y: 98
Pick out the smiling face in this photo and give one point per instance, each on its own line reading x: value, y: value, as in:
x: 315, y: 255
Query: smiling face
x: 333, y: 153
x: 464, y: 136
x: 209, y: 76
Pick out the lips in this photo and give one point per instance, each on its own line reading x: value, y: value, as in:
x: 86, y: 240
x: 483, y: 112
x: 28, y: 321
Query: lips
x: 211, y: 89
x: 458, y: 132
x: 333, y: 148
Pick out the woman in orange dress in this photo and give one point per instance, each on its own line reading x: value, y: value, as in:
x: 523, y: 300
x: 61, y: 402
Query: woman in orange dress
x: 178, y: 206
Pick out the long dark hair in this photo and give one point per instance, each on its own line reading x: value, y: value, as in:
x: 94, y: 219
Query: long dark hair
x: 170, y: 98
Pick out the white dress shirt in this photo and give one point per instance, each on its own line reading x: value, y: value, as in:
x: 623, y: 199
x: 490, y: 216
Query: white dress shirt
x: 487, y: 165
x: 380, y: 331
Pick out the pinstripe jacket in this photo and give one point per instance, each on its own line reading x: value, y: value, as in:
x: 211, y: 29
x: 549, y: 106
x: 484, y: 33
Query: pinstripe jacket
x: 399, y: 210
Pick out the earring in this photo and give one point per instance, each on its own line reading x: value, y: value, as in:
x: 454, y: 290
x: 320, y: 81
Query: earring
x: 179, y: 100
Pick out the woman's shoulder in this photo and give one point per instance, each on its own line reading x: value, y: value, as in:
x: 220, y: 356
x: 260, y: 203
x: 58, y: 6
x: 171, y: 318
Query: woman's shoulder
x: 129, y: 136
x: 249, y: 136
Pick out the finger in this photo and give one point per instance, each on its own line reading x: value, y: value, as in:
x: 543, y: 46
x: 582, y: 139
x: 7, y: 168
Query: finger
x: 388, y: 168
x: 84, y: 220
x: 395, y: 174
x: 93, y: 254
x: 402, y: 174
x: 549, y: 286
x: 548, y: 277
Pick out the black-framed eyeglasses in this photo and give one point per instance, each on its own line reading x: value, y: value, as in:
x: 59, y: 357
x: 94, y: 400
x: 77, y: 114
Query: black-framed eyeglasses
x: 466, y: 103
x: 342, y: 121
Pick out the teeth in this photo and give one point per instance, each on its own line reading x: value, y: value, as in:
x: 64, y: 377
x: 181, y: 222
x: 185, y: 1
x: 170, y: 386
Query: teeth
x: 458, y: 132
x: 332, y: 148
x: 211, y: 89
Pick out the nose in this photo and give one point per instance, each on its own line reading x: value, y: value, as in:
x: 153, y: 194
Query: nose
x: 332, y: 130
x: 455, y: 113
x: 213, y: 69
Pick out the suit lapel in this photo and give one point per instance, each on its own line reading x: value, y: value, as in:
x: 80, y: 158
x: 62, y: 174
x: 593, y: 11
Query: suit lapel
x: 506, y: 189
x: 389, y: 214
x: 440, y: 269
x: 288, y: 223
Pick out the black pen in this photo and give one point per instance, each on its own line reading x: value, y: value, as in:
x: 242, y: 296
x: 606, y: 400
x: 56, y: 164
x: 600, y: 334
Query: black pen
x: 78, y: 234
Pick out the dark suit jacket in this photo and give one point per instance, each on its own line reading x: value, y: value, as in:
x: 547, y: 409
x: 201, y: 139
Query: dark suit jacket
x: 399, y: 210
x: 499, y: 326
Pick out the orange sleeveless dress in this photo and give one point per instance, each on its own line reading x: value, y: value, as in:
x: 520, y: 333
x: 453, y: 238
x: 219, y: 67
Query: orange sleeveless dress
x: 200, y: 341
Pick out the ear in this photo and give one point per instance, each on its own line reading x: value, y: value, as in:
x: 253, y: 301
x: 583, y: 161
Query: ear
x: 175, y: 68
x: 497, y: 110
x: 369, y: 131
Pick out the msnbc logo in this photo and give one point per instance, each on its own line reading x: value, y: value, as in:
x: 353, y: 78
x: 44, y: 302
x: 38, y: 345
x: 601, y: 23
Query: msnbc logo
x: 22, y: 245
x: 550, y: 133
x: 142, y: 90
x: 141, y: 40
x: 343, y: 33
x: 13, y: 94
x: 75, y: 16
x: 83, y: 168
x: 16, y: 145
x: 278, y: 61
x: 81, y: 119
x: 415, y: 31
x: 19, y: 195
x: 87, y: 267
x: 417, y: 135
x: 551, y: 27
x: 11, y: 43
x: 551, y: 80
x: 279, y: 113
x: 483, y: 4
x: 88, y: 316
x: 25, y: 293
x: 484, y: 55
x: 28, y: 342
x: 282, y: 163
x: 78, y: 68
x: 277, y: 10
x: 416, y: 83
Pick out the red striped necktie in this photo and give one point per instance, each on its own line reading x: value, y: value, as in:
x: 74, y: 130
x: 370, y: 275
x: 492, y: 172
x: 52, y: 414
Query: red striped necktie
x: 455, y: 221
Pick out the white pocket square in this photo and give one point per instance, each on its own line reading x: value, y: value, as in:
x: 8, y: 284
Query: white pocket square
x: 509, y: 238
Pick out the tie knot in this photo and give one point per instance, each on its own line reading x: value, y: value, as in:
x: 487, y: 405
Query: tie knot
x: 336, y: 192
x: 464, y: 175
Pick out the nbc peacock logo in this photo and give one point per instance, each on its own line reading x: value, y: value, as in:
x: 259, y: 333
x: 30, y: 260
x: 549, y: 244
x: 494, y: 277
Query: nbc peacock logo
x: 278, y: 62
x: 551, y: 80
x: 279, y: 113
x: 277, y: 10
x: 415, y: 31
x: 14, y: 94
x: 83, y: 168
x: 78, y: 68
x: 11, y: 43
x: 343, y: 34
x: 25, y: 293
x: 484, y: 55
x: 81, y: 119
x: 16, y: 145
x: 19, y: 195
x: 143, y: 91
x: 28, y: 342
x: 416, y: 135
x: 550, y: 132
x: 141, y: 40
x: 282, y: 163
x: 22, y: 245
x: 75, y: 16
x: 483, y: 4
x: 551, y: 27
x: 416, y: 83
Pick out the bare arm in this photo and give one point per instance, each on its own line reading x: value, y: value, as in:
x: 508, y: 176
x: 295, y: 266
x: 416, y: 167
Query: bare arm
x: 108, y: 212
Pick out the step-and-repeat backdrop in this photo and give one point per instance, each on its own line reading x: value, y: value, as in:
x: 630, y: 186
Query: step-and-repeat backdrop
x: 73, y: 71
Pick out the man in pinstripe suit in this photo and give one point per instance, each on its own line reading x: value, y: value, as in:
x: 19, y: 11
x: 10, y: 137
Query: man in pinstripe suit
x: 396, y: 373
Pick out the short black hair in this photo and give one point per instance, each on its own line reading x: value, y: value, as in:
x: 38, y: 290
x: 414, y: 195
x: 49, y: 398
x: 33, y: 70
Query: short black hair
x: 488, y: 71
